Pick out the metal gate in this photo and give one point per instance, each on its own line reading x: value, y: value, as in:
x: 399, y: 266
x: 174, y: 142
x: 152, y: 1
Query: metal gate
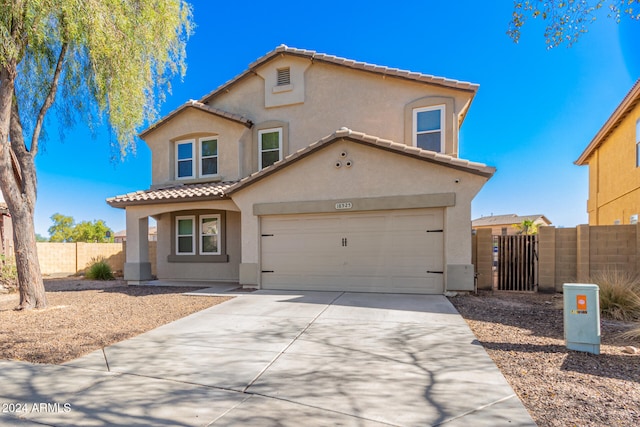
x: 517, y: 262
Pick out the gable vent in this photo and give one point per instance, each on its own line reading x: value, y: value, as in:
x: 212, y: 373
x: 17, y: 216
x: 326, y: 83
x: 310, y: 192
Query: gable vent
x: 284, y: 76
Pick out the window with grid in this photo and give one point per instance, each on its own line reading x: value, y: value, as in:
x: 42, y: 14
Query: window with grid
x: 208, y: 157
x: 184, y: 159
x: 209, y: 234
x: 269, y: 146
x: 185, y: 242
x: 428, y: 125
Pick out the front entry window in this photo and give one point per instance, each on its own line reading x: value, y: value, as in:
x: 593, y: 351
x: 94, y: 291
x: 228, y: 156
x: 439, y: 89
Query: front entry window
x: 185, y: 242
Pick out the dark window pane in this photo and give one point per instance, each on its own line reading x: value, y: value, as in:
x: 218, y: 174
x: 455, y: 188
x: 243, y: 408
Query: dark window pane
x: 269, y: 158
x: 210, y: 148
x: 271, y: 140
x: 185, y: 151
x: 429, y: 120
x: 185, y: 168
x: 209, y: 244
x: 185, y: 244
x: 210, y: 166
x: 185, y: 227
x: 429, y: 141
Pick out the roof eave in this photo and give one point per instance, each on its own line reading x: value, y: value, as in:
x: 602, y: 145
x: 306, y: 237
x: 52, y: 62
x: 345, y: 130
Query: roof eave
x: 628, y: 103
x: 315, y: 57
x: 125, y: 204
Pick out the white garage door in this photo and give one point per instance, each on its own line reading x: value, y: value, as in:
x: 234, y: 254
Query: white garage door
x: 382, y: 251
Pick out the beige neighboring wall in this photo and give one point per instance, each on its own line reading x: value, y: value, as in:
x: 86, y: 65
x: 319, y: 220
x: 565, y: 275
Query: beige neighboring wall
x: 375, y: 173
x: 194, y: 123
x: 343, y: 97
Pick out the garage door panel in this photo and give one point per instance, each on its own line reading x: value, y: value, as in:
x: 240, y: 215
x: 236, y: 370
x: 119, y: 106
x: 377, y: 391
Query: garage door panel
x: 384, y: 251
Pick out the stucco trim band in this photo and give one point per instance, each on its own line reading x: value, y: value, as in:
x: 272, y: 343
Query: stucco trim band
x: 438, y: 200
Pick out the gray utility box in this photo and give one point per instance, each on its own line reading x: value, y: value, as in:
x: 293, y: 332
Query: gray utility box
x: 582, y: 317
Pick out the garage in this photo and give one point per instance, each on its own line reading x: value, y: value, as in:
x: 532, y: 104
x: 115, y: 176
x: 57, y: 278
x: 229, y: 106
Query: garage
x: 399, y: 251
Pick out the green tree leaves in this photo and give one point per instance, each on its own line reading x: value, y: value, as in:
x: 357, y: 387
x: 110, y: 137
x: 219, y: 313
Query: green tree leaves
x: 64, y: 229
x: 567, y: 20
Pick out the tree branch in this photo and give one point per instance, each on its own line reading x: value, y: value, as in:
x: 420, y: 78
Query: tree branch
x: 48, y: 100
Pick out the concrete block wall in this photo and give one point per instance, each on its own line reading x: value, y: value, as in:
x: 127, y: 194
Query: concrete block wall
x: 66, y: 259
x: 570, y: 255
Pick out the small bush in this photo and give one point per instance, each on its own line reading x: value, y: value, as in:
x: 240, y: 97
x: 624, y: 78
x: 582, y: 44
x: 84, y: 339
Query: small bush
x: 8, y: 275
x: 100, y: 270
x: 619, y: 294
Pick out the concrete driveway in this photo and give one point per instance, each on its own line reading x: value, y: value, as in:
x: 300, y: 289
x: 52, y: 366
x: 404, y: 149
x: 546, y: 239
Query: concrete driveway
x: 278, y: 359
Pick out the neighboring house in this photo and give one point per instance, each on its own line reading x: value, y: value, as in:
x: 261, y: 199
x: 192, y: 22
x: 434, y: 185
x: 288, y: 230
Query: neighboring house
x: 6, y: 231
x: 121, y: 236
x: 263, y: 182
x: 506, y: 225
x: 613, y: 157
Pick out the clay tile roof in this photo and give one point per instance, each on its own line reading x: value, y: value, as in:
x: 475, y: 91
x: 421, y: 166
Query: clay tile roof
x: 350, y: 63
x: 178, y: 192
x: 202, y: 107
x: 359, y: 137
x: 628, y: 103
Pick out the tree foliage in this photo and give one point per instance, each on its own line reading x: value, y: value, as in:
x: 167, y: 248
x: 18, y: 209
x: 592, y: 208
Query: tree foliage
x: 89, y: 58
x: 527, y: 227
x: 64, y: 229
x: 567, y: 20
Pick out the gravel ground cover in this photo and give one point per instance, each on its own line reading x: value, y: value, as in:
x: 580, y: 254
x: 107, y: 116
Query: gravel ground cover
x: 523, y: 334
x: 83, y: 316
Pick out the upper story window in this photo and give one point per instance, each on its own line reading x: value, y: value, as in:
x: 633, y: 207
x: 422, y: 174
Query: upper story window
x: 428, y: 128
x: 638, y: 143
x: 269, y: 147
x: 184, y: 159
x: 196, y: 158
x: 209, y: 157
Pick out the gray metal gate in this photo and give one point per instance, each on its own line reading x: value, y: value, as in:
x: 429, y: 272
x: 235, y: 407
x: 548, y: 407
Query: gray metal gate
x: 517, y: 262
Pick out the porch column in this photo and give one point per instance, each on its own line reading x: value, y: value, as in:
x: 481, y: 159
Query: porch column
x: 137, y: 267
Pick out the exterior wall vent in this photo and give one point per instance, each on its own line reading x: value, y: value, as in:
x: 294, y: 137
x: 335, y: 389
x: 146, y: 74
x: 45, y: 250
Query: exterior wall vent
x: 284, y: 76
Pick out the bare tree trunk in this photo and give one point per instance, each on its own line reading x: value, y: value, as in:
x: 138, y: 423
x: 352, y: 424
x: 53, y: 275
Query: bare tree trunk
x: 32, y: 293
x: 18, y: 183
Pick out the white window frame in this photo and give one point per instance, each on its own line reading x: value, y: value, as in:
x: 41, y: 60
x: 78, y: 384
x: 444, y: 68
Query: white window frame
x: 260, y: 151
x: 193, y: 158
x: 201, y: 157
x: 416, y: 111
x: 201, y: 234
x: 193, y: 234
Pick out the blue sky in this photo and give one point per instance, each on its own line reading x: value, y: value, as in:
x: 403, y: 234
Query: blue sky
x: 535, y: 112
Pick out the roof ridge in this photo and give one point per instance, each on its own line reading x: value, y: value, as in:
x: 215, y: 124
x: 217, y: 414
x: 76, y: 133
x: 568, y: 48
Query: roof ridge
x: 350, y: 63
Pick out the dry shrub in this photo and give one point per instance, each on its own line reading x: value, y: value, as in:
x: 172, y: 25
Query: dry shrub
x: 619, y: 294
x: 8, y: 275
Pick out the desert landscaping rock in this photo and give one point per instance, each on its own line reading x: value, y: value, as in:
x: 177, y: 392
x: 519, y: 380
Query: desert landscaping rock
x: 523, y: 334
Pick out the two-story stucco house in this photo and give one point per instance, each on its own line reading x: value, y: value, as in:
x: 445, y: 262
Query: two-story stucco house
x: 312, y: 172
x: 613, y: 157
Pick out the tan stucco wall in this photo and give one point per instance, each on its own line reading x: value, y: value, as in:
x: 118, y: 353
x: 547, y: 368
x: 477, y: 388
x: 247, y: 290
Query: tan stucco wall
x: 361, y: 101
x: 224, y: 271
x: 192, y: 123
x: 186, y: 271
x: 375, y: 173
x: 614, y: 179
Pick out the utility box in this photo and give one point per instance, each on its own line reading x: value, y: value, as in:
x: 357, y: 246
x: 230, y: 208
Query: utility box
x: 582, y: 317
